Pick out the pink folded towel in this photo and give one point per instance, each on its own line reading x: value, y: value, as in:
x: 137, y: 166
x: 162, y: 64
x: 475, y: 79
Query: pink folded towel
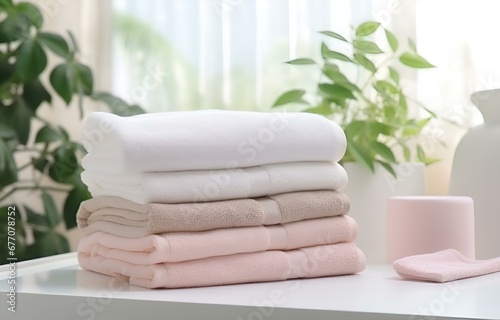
x: 319, y: 261
x: 128, y: 219
x: 443, y: 266
x: 182, y: 246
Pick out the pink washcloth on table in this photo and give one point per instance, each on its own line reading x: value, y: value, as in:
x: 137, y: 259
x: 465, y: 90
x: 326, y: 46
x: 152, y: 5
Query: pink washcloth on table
x: 319, y: 261
x: 182, y: 246
x: 443, y: 266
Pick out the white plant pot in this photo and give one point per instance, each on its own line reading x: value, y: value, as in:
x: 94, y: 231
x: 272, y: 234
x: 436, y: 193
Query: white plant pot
x: 369, y: 192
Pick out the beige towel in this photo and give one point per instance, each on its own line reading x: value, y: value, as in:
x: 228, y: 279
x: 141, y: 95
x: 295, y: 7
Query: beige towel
x: 183, y: 246
x: 128, y: 219
x: 319, y: 261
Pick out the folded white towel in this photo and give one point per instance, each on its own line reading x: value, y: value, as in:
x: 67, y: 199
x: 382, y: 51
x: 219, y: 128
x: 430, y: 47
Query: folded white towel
x: 207, y: 139
x: 213, y: 185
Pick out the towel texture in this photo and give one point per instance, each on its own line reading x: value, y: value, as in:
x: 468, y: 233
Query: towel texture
x: 443, y: 266
x: 182, y: 246
x: 207, y: 139
x: 318, y: 261
x: 212, y: 185
x: 128, y: 219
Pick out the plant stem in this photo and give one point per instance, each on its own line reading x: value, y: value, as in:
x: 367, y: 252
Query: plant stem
x: 24, y: 166
x: 27, y: 149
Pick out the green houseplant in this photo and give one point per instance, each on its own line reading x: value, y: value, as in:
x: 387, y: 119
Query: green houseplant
x: 370, y: 103
x: 37, y: 155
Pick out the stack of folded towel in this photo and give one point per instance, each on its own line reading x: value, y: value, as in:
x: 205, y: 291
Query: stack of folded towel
x: 187, y: 199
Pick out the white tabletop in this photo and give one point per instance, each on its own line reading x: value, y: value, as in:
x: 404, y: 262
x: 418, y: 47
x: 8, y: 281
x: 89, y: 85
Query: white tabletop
x: 57, y: 288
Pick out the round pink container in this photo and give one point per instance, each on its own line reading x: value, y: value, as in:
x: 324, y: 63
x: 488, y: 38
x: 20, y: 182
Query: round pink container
x: 426, y: 224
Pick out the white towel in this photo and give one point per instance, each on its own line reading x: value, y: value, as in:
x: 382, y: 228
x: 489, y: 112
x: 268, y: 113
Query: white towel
x: 206, y: 140
x: 214, y: 185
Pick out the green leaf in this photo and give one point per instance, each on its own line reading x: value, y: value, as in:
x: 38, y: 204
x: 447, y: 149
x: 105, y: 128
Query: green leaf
x: 433, y: 114
x: 76, y: 48
x: 34, y: 93
x: 18, y: 117
x: 380, y: 128
x: 117, y: 105
x: 65, y: 167
x: 412, y: 45
x: 292, y: 96
x: 355, y: 128
x: 324, y: 109
x: 36, y: 219
x: 8, y: 170
x: 383, y: 150
x: 367, y: 28
x: 61, y: 79
x: 40, y: 164
x: 414, y: 60
x: 333, y: 35
x: 402, y: 102
x: 13, y: 28
x: 386, y: 87
x: 388, y: 167
x: 367, y: 46
x: 360, y: 154
x: 31, y: 60
x: 429, y: 161
x: 329, y: 54
x: 20, y: 18
x: 48, y: 134
x: 30, y: 14
x: 335, y: 91
x: 406, y: 152
x: 301, y: 61
x: 47, y: 243
x: 6, y: 5
x: 411, y: 128
x: 394, y: 75
x: 365, y: 62
x: 334, y: 74
x: 55, y: 43
x: 420, y: 154
x: 391, y: 39
x: 423, y: 122
x: 49, y: 206
x: 83, y: 79
x: 6, y: 71
x: 76, y: 196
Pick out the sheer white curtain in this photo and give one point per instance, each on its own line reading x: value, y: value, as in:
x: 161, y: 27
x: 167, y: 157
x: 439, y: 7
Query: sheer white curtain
x: 222, y: 53
x: 460, y: 38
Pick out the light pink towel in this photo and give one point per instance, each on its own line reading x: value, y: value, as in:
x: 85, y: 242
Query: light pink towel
x: 443, y: 266
x: 128, y: 219
x: 319, y: 261
x: 182, y: 246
